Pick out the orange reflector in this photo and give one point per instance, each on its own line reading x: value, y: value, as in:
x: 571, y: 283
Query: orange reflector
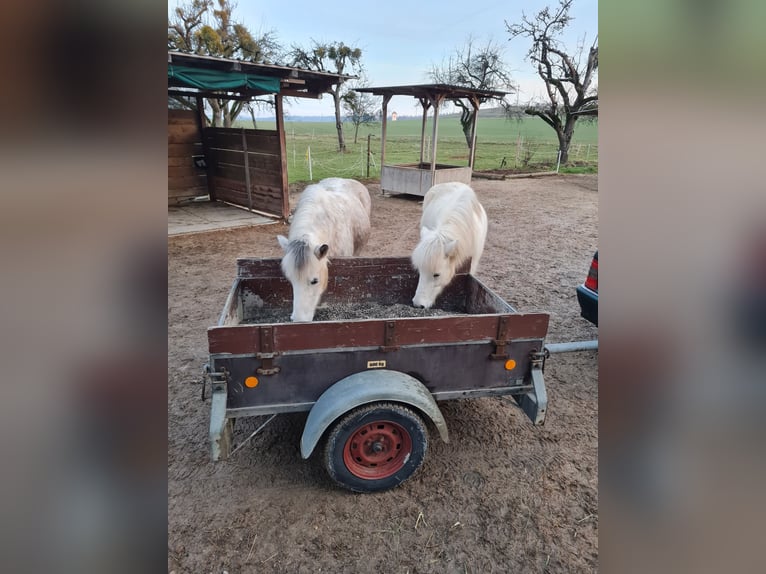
x: 510, y: 364
x: 251, y: 382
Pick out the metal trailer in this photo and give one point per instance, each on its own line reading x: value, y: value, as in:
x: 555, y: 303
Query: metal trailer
x: 370, y: 385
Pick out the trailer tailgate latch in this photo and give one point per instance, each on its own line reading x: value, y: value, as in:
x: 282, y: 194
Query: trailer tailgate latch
x: 218, y: 379
x: 389, y: 337
x: 267, y: 364
x: 501, y: 341
x: 267, y: 353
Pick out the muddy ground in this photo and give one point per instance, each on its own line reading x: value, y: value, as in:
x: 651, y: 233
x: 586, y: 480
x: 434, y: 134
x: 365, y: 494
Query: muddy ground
x: 502, y: 496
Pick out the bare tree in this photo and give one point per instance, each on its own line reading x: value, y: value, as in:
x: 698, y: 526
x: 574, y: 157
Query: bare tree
x: 360, y: 107
x: 192, y: 29
x: 331, y: 57
x: 473, y: 66
x: 567, y: 79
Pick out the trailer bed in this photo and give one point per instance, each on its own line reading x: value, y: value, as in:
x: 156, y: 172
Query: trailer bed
x: 478, y: 346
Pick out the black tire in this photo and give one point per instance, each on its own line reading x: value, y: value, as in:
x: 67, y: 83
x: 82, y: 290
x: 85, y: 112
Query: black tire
x: 375, y: 447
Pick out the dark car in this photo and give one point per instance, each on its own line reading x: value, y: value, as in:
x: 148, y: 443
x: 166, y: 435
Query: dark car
x: 587, y: 293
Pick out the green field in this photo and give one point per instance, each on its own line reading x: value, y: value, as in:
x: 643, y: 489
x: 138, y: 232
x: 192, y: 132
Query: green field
x: 527, y: 144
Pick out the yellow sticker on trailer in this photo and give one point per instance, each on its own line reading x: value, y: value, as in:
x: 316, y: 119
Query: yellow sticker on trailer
x: 376, y: 364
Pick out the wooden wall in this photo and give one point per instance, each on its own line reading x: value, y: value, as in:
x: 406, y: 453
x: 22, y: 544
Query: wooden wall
x: 185, y: 180
x: 226, y: 148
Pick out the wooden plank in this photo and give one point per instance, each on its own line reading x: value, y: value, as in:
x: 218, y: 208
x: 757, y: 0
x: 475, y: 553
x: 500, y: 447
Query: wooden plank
x: 181, y: 161
x: 342, y: 266
x: 184, y: 149
x: 238, y: 340
x: 232, y: 173
x: 266, y: 205
x: 179, y: 112
x: 177, y: 200
x: 474, y: 121
x: 265, y: 162
x: 481, y: 299
x: 237, y: 173
x: 184, y: 182
x: 181, y: 121
x: 223, y: 142
x: 191, y: 190
x: 259, y: 267
x: 436, y: 101
x: 237, y: 198
x: 247, y: 172
x: 184, y: 127
x: 180, y: 116
x: 263, y: 194
x: 184, y: 136
x: 371, y: 332
x: 185, y: 171
x: 258, y: 188
x: 256, y: 141
x: 384, y: 118
x: 187, y: 192
x: 236, y: 131
x: 201, y: 126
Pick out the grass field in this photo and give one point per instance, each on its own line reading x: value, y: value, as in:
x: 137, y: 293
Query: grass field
x: 526, y: 144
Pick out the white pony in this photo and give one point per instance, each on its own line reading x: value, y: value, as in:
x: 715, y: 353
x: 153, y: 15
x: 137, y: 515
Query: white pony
x: 332, y: 219
x: 453, y: 228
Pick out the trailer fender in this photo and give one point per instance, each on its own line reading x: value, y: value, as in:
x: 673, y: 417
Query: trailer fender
x: 364, y: 388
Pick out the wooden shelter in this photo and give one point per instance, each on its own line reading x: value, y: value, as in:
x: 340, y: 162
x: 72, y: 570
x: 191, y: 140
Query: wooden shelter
x: 417, y: 178
x: 244, y: 167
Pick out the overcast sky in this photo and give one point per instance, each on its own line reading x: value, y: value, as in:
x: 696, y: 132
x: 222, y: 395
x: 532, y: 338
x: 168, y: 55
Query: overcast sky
x: 401, y: 40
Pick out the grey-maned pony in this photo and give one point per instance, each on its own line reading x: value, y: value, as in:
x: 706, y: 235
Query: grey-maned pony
x: 453, y: 228
x: 332, y: 219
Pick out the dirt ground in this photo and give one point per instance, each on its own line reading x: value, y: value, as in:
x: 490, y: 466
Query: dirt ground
x: 502, y: 496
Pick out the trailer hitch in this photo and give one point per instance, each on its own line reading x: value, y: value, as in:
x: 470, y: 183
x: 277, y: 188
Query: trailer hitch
x: 538, y: 358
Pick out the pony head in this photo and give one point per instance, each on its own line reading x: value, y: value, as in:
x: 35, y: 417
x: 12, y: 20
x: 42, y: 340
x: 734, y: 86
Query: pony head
x: 305, y: 266
x: 434, y: 259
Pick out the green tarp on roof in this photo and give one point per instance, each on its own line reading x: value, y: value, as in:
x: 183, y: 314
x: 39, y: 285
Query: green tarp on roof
x: 220, y: 80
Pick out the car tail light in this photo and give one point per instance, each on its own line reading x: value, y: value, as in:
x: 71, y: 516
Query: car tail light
x: 592, y: 281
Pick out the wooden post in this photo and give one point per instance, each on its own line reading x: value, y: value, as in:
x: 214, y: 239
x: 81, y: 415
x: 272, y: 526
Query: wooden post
x: 368, y: 155
x: 206, y: 149
x: 423, y: 102
x: 282, y: 154
x: 386, y: 99
x: 436, y: 101
x: 472, y: 151
x: 247, y: 171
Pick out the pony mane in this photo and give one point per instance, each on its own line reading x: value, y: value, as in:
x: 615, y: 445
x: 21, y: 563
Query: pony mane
x: 297, y: 256
x: 451, y: 219
x: 428, y: 250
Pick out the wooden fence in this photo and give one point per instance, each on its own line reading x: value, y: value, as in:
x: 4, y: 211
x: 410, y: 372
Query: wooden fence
x: 186, y: 169
x: 247, y: 167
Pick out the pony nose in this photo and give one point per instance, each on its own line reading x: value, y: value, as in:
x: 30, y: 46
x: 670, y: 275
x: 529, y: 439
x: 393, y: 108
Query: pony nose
x: 302, y: 318
x: 417, y: 305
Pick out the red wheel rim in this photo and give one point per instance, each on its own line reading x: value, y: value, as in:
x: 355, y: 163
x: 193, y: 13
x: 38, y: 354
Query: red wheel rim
x: 377, y: 450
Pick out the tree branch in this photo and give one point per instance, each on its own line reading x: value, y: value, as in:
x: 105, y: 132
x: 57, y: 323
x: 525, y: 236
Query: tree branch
x: 552, y: 121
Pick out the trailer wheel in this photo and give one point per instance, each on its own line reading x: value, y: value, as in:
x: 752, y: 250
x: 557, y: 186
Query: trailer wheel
x: 375, y: 447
